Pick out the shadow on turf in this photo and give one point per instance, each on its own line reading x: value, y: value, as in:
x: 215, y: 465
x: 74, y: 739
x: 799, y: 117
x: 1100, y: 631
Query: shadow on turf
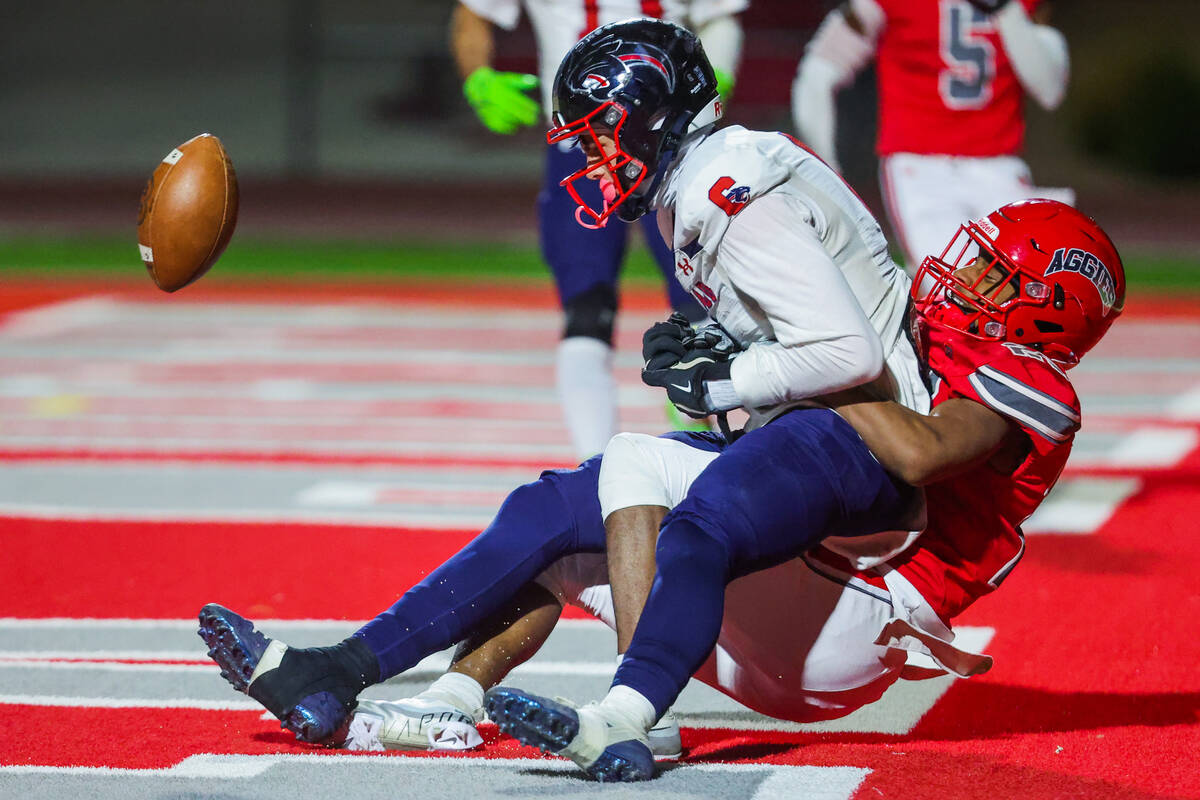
x: 989, y: 710
x: 973, y: 711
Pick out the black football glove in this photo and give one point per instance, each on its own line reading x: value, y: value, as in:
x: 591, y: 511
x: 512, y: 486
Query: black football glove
x: 687, y: 383
x: 988, y: 6
x: 713, y: 342
x: 663, y: 342
x: 683, y: 362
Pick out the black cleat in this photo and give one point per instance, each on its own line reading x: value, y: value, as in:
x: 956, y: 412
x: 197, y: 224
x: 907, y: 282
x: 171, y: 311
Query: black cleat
x: 310, y: 691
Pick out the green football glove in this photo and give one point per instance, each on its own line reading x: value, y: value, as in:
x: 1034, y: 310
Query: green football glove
x: 724, y: 85
x: 499, y: 99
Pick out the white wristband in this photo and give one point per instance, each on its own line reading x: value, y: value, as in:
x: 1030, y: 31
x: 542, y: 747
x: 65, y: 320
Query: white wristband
x: 720, y: 395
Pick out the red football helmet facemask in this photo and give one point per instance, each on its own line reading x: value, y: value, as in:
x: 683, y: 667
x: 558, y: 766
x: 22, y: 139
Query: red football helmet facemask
x: 627, y: 170
x: 1037, y: 273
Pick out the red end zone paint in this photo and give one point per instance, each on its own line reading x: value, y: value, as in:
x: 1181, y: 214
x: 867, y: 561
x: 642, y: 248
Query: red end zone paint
x: 169, y: 570
x: 166, y: 736
x: 28, y: 293
x: 536, y: 294
x: 1094, y: 693
x: 535, y: 465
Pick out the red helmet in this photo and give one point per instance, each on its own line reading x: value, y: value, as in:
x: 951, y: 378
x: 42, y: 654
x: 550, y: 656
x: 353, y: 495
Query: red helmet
x: 1038, y: 273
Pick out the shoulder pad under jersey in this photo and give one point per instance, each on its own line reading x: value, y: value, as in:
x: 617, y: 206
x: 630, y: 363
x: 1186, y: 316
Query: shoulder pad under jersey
x: 717, y: 180
x: 1026, y: 387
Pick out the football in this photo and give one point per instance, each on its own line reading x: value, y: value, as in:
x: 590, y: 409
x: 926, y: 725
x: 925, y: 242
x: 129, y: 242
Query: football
x: 188, y: 212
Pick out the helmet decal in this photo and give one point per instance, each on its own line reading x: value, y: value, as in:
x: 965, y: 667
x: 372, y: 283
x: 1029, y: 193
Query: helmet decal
x: 988, y: 228
x: 620, y: 69
x: 592, y: 82
x: 1089, y: 266
x: 633, y: 58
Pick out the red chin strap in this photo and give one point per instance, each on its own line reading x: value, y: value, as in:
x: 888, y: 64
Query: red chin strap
x: 610, y: 115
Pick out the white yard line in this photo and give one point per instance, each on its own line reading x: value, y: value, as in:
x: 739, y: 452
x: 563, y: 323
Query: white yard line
x: 1185, y: 406
x: 780, y: 783
x: 1151, y: 446
x: 58, y: 318
x: 88, y: 623
x: 602, y: 669
x: 1080, y: 506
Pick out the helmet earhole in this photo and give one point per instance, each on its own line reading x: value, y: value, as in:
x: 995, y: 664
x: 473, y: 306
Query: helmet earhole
x: 1060, y: 297
x: 1020, y: 331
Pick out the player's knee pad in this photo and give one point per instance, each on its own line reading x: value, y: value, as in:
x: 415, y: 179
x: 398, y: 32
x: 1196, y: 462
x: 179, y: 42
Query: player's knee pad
x: 591, y: 313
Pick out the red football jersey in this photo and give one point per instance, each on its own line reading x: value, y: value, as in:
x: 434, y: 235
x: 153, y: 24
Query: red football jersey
x: 973, y: 538
x: 946, y: 85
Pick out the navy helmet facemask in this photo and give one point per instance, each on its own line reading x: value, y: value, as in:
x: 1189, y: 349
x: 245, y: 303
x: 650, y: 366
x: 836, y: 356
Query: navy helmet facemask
x: 644, y: 84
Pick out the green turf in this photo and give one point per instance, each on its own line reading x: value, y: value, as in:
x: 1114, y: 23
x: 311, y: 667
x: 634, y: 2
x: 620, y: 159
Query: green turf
x: 258, y: 258
x: 255, y: 258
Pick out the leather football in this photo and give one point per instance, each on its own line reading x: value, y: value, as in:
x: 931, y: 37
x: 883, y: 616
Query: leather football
x: 188, y: 212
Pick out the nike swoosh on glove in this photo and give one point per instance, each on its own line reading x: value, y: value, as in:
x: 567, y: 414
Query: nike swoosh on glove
x: 687, y: 382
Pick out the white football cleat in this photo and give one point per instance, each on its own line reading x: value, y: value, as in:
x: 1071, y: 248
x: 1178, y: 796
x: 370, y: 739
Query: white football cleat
x: 415, y: 723
x: 665, y: 742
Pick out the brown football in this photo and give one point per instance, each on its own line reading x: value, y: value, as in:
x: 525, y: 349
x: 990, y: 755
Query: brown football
x: 188, y: 212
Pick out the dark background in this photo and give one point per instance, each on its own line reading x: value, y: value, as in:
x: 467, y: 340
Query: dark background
x: 349, y: 115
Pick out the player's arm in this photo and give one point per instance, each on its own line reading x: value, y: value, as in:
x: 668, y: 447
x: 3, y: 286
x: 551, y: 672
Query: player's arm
x: 842, y: 45
x: 1038, y: 52
x: 722, y: 39
x: 472, y: 40
x: 923, y: 449
x: 823, y: 339
x: 498, y: 98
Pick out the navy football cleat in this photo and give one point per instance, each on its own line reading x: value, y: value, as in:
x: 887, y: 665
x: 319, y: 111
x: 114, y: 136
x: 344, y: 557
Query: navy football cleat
x: 308, y: 690
x: 608, y: 749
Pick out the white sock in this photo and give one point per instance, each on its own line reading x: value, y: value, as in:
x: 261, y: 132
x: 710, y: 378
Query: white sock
x: 461, y: 691
x: 632, y: 705
x: 587, y: 392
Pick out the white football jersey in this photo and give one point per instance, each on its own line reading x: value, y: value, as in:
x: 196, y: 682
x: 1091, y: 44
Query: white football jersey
x: 787, y: 258
x: 559, y: 24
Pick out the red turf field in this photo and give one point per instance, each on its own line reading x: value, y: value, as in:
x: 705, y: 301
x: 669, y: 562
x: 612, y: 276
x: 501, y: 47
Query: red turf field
x: 1095, y: 692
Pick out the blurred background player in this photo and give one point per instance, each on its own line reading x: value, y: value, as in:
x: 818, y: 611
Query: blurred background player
x: 952, y: 75
x: 585, y: 262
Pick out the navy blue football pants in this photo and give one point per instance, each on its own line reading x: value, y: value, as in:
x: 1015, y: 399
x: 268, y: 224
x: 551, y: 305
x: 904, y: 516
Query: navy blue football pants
x: 771, y: 495
x: 581, y: 259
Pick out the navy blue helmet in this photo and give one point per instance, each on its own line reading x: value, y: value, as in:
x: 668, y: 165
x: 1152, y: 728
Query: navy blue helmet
x: 643, y: 84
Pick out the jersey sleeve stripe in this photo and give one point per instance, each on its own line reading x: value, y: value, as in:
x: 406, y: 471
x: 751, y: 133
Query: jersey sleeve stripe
x: 1025, y: 405
x: 1031, y: 392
